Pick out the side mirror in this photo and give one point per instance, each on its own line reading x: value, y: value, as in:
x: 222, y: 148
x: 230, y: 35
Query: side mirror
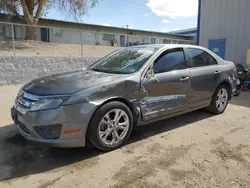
x: 149, y: 73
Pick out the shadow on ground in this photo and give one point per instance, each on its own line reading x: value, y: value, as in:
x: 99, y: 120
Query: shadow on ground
x: 20, y: 158
x: 242, y: 100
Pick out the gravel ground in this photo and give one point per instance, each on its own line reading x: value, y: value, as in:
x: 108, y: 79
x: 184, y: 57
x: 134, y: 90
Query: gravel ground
x: 193, y: 150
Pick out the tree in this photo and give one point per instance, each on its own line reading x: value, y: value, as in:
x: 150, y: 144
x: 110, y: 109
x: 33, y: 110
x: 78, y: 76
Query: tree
x: 30, y: 11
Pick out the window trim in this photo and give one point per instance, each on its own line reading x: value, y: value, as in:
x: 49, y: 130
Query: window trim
x: 191, y: 59
x: 169, y: 51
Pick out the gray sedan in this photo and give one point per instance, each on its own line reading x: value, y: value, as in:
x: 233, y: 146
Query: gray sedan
x: 130, y: 87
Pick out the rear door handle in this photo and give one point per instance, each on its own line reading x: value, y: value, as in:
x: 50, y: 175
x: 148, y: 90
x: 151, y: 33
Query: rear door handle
x: 217, y: 72
x: 184, y: 79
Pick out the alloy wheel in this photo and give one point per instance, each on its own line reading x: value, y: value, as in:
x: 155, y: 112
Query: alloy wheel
x: 221, y: 100
x: 114, y: 127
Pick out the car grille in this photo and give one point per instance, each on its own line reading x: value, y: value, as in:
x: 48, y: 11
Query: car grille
x: 24, y: 128
x: 26, y: 99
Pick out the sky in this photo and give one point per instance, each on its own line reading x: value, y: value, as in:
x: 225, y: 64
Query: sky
x: 152, y: 15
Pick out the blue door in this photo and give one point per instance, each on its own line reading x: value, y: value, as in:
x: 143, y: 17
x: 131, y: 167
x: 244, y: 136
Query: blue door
x: 218, y: 46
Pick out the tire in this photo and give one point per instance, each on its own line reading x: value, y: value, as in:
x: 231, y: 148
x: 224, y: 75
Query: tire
x: 104, y: 131
x: 215, y: 107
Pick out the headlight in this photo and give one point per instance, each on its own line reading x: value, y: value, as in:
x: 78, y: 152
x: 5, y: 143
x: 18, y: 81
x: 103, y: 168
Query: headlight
x: 47, y: 103
x: 20, y: 92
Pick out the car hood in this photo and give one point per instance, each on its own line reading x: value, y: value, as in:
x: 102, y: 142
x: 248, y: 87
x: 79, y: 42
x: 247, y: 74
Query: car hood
x: 69, y: 82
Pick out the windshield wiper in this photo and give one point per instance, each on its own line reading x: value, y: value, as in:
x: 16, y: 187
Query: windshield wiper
x: 112, y: 71
x: 107, y: 71
x: 96, y: 69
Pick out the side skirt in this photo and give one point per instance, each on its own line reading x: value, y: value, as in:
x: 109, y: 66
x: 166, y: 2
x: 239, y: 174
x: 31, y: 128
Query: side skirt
x: 141, y: 123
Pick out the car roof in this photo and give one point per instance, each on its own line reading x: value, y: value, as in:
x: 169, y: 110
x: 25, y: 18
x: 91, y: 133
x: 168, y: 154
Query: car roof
x: 168, y: 46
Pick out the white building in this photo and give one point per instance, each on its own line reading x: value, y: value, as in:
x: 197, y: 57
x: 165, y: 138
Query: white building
x: 62, y: 32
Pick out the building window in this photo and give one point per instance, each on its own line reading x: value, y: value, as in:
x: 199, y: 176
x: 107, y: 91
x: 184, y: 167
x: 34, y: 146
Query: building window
x: 182, y: 42
x: 175, y: 42
x: 108, y: 37
x: 166, y: 41
x: 18, y: 31
x: 6, y: 31
x: 57, y: 32
x: 152, y: 40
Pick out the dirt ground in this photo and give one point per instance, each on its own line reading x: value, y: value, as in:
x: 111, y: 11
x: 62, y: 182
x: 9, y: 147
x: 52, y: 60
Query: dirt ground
x: 193, y: 150
x: 36, y: 48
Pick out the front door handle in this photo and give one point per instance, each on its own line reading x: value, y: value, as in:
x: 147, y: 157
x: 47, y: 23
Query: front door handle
x: 217, y: 72
x: 184, y: 79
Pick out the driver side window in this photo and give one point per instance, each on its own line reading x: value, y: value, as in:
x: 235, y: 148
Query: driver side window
x: 170, y: 60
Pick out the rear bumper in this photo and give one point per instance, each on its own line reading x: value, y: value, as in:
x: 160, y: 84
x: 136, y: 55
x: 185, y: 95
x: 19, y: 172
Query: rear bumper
x: 68, y: 117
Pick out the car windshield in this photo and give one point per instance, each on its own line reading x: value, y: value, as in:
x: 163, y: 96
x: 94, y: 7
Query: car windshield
x: 124, y: 61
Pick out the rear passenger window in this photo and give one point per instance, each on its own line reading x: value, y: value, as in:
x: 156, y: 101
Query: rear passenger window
x: 200, y: 58
x: 169, y: 61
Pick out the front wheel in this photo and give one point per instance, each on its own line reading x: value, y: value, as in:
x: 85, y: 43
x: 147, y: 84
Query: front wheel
x: 220, y: 100
x: 111, y: 126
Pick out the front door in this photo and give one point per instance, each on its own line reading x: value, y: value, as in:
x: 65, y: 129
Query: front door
x: 218, y: 47
x: 122, y: 40
x: 45, y: 34
x: 166, y: 92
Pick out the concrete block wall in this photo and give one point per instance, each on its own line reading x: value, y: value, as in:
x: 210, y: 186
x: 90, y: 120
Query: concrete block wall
x: 20, y: 70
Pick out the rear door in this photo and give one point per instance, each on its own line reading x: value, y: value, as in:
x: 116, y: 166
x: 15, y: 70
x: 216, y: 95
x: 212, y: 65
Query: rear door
x: 166, y: 92
x: 205, y: 75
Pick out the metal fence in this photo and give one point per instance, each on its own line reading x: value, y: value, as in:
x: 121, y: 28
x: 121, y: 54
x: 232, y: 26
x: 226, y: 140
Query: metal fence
x: 25, y: 40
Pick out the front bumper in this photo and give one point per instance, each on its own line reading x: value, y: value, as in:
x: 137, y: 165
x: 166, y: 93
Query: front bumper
x: 69, y: 117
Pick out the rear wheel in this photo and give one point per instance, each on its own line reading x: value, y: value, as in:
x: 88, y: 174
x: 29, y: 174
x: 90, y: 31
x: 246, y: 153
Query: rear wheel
x: 220, y: 100
x: 110, y: 126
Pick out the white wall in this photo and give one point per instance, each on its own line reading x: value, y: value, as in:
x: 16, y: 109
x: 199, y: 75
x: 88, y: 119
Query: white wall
x: 63, y: 36
x: 90, y: 38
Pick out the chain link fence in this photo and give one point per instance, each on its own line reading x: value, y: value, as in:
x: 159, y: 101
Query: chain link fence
x: 25, y: 40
